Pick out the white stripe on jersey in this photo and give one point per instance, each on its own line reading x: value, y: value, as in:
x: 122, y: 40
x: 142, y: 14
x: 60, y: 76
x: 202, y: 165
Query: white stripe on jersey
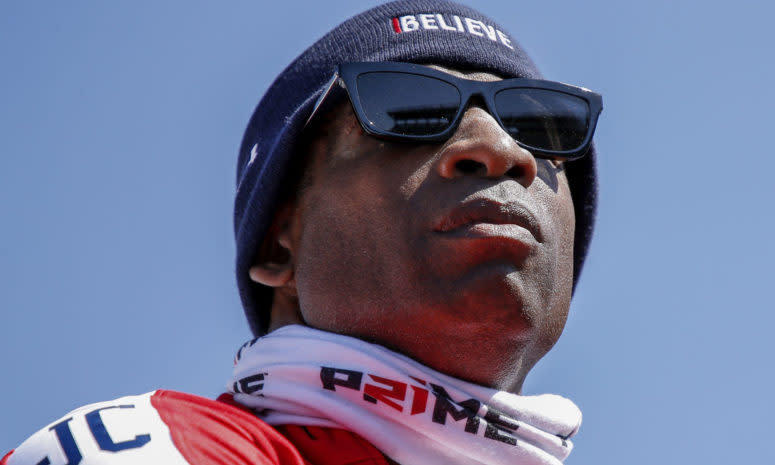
x: 125, y: 431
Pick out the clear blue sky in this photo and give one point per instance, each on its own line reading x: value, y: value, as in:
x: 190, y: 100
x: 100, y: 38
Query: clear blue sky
x: 119, y: 127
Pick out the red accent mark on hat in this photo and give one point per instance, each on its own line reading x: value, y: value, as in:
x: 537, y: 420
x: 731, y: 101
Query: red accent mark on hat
x: 396, y: 26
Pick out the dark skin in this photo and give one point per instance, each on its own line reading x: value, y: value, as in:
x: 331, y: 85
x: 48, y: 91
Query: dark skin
x: 457, y: 254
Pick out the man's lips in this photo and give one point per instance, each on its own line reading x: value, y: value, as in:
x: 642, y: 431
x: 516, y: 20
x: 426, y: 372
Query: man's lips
x: 489, y: 217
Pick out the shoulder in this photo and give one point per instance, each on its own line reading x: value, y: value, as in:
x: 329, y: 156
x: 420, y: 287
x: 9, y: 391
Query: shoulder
x: 167, y: 427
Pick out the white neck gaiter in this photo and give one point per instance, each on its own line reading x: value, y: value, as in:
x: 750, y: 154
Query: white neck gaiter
x: 413, y: 414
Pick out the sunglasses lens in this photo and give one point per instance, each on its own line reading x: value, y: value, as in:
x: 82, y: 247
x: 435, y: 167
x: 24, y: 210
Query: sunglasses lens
x: 544, y: 119
x: 407, y: 104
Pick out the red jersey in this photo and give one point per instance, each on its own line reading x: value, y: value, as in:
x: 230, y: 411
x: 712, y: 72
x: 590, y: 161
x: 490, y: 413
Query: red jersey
x: 174, y: 428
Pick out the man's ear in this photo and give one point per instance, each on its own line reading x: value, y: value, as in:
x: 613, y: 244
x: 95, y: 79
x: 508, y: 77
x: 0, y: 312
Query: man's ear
x: 274, y: 262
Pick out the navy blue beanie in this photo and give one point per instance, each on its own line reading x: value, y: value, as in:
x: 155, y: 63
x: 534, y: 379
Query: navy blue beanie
x: 419, y: 31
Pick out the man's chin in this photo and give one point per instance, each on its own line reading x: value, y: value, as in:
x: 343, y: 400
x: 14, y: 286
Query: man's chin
x: 497, y: 285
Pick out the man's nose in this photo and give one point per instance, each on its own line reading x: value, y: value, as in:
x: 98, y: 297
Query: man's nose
x: 480, y: 147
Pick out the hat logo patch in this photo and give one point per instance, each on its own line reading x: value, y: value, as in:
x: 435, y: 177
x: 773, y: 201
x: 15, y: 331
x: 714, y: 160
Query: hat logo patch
x: 253, y: 154
x: 440, y: 22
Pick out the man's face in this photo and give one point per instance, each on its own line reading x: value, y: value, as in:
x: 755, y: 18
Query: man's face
x: 458, y: 254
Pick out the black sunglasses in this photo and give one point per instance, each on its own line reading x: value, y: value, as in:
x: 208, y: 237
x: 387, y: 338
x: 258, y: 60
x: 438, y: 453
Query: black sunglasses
x: 412, y: 102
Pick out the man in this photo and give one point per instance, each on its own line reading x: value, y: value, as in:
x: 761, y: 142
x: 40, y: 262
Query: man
x: 410, y: 222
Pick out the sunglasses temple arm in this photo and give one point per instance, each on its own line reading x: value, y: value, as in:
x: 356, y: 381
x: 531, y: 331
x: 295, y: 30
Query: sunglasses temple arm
x: 323, y: 96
